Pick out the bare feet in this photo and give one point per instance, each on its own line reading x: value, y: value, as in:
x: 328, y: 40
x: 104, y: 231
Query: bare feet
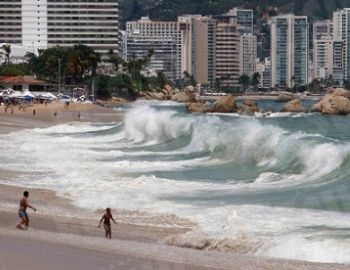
x: 19, y: 227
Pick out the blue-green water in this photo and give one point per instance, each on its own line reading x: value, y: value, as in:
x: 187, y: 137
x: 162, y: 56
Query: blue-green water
x: 280, y: 182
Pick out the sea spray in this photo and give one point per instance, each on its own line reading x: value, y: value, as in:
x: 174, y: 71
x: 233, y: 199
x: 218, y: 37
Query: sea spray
x: 256, y: 185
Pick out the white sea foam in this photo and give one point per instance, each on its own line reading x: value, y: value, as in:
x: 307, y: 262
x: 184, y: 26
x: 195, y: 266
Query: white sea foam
x: 109, y: 168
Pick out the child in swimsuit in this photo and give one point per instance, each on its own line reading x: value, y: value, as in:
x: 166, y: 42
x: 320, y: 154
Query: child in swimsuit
x: 106, y: 218
x: 22, y: 211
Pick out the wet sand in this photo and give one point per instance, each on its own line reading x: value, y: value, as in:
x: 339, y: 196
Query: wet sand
x: 64, y: 237
x: 40, y: 115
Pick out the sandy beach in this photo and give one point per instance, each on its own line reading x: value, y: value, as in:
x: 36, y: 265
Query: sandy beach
x: 65, y: 237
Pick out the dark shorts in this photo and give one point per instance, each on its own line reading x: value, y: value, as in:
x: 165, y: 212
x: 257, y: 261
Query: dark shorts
x: 22, y: 214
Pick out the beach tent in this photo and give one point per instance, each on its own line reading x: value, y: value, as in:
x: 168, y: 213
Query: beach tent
x: 14, y: 94
x: 28, y: 96
x: 47, y: 96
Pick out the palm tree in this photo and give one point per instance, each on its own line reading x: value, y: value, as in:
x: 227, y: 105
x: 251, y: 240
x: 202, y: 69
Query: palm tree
x: 115, y: 60
x: 7, y: 52
x: 256, y: 80
x: 244, y: 81
x: 76, y: 66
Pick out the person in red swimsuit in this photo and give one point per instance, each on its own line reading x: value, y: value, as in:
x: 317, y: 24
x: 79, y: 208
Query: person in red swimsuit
x: 106, y: 218
x: 22, y: 211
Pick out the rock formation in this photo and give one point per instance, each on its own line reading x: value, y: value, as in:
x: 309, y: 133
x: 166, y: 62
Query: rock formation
x: 294, y: 106
x: 248, y: 107
x: 225, y: 104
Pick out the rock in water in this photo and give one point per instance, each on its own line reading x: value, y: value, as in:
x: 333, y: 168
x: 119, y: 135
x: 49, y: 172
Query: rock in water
x: 224, y: 105
x: 339, y: 92
x: 333, y: 105
x: 294, y: 106
x: 285, y: 97
x: 248, y: 107
x: 184, y: 97
x: 196, y: 107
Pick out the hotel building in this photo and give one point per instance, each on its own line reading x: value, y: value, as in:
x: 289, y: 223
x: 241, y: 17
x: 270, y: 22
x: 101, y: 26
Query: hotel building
x: 341, y: 35
x: 248, y: 54
x: 47, y: 23
x: 163, y: 38
x: 198, y: 43
x: 289, y: 51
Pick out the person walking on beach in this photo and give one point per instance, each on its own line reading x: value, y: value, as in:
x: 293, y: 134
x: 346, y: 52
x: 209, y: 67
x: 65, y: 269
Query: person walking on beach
x: 106, y: 218
x: 22, y: 211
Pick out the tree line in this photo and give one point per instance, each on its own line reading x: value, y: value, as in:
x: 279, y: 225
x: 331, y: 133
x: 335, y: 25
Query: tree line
x: 80, y: 64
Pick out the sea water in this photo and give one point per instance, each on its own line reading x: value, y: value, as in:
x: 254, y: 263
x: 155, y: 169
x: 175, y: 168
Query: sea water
x: 275, y: 185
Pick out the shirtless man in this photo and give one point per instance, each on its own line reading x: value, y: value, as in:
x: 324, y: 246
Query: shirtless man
x: 107, y: 217
x: 22, y: 211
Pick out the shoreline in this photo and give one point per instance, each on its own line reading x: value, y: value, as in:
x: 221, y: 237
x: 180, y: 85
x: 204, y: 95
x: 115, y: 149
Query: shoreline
x: 63, y: 226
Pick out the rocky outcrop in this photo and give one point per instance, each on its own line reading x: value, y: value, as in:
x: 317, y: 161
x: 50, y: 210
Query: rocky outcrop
x: 188, y: 95
x: 333, y: 105
x: 285, y: 97
x: 248, y: 107
x: 224, y: 105
x: 294, y: 106
x: 196, y: 107
x: 168, y: 92
x: 183, y: 97
x: 339, y: 92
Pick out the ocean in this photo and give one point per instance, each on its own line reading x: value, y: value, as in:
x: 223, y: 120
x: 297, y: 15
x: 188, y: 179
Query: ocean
x: 275, y: 185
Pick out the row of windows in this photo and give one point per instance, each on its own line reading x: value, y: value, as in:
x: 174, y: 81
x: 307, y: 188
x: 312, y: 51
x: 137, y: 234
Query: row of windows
x: 106, y: 42
x: 82, y: 12
x: 80, y: 24
x: 11, y: 35
x: 81, y: 30
x: 81, y: 1
x: 82, y: 36
x: 77, y: 18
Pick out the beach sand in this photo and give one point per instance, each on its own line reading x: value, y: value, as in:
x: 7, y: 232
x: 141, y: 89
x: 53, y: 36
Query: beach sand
x: 64, y: 237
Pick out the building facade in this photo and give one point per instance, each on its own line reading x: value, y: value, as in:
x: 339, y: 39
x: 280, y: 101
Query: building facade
x: 341, y: 26
x: 198, y: 56
x: 248, y: 54
x: 47, y: 23
x: 227, y: 52
x: 264, y: 70
x: 163, y: 38
x: 289, y: 51
x: 322, y: 49
x: 244, y: 18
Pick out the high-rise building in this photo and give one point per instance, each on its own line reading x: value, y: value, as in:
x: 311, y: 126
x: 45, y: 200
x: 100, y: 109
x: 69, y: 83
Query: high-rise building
x: 198, y: 58
x: 244, y: 18
x: 47, y: 23
x: 264, y: 70
x: 227, y: 51
x: 162, y: 38
x: 341, y: 26
x: 289, y: 51
x: 248, y: 54
x: 322, y: 49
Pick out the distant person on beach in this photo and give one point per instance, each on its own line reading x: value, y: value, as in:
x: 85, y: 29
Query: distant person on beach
x: 34, y: 112
x: 22, y: 211
x: 106, y: 218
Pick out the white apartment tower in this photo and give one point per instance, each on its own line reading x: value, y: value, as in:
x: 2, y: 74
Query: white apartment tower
x: 47, y: 23
x: 163, y: 38
x: 248, y: 54
x: 289, y: 51
x: 341, y: 27
x: 322, y: 49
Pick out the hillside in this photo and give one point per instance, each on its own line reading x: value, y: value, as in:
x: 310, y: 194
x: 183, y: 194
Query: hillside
x: 170, y: 9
